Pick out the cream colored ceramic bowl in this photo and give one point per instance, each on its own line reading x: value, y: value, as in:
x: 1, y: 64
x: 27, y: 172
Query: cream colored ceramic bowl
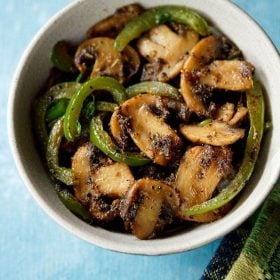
x: 71, y: 24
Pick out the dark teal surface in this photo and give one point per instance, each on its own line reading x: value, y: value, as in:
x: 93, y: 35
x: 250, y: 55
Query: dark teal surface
x: 32, y: 245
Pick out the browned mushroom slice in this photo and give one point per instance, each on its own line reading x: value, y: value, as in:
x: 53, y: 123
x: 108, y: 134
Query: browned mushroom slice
x: 166, y: 51
x: 106, y: 60
x: 99, y: 182
x: 119, y: 126
x: 112, y: 25
x: 239, y: 116
x: 215, y: 133
x: 200, y: 171
x: 150, y: 133
x: 225, y: 112
x: 149, y: 205
x: 234, y: 75
x: 205, y: 51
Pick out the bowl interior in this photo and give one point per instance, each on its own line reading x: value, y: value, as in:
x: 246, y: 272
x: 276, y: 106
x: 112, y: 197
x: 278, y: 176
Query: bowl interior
x: 71, y: 24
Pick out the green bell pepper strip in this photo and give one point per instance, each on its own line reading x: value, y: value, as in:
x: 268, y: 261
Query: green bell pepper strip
x: 105, y: 106
x: 101, y: 139
x: 160, y: 15
x: 61, y: 58
x: 74, y: 205
x: 154, y: 87
x: 56, y: 110
x: 205, y: 122
x: 41, y: 105
x: 63, y: 174
x: 256, y: 108
x: 74, y: 108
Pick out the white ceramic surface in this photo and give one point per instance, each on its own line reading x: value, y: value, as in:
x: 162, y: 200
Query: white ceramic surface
x: 71, y: 24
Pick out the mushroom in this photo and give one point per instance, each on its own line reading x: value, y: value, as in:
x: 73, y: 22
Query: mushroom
x: 205, y: 51
x: 148, y: 206
x: 234, y: 75
x: 149, y: 132
x: 97, y: 191
x: 203, y: 71
x: 225, y: 112
x: 107, y: 61
x: 112, y: 25
x: 201, y: 170
x: 215, y: 133
x: 239, y: 116
x: 119, y: 127
x: 165, y: 51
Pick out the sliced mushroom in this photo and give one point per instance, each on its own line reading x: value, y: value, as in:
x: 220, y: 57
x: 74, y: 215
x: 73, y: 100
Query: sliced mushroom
x: 215, y: 133
x: 239, y: 116
x: 225, y: 112
x: 106, y: 60
x: 166, y: 51
x: 93, y: 187
x: 150, y: 133
x: 201, y: 170
x: 149, y: 205
x: 119, y: 126
x: 112, y: 25
x: 234, y: 75
x: 202, y: 54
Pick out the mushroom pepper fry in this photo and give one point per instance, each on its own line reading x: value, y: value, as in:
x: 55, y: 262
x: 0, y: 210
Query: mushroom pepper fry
x: 160, y: 15
x: 256, y: 108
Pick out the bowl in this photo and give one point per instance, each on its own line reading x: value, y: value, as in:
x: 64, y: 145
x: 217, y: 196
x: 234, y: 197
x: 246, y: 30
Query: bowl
x: 71, y: 23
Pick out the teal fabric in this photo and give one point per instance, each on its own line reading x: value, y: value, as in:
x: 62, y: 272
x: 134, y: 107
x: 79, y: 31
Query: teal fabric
x: 33, y: 246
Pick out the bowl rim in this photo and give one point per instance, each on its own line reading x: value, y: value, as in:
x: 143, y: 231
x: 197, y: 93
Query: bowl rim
x: 69, y: 225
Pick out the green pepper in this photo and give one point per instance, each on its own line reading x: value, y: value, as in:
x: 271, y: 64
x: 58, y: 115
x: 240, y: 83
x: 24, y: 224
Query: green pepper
x: 56, y: 110
x: 160, y: 15
x: 76, y: 103
x: 101, y: 139
x: 106, y: 106
x: 62, y: 174
x: 255, y: 105
x: 205, y: 122
x: 61, y: 58
x: 74, y: 205
x: 153, y: 87
x: 59, y: 91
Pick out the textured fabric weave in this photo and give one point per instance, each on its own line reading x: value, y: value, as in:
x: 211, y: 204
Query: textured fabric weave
x: 252, y: 251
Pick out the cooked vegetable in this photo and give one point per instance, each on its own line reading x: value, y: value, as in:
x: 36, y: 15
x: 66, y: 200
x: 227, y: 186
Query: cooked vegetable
x: 106, y: 60
x: 61, y: 56
x: 225, y: 112
x: 112, y: 25
x: 149, y: 205
x: 150, y: 133
x: 71, y: 202
x: 166, y: 52
x: 234, y: 75
x: 57, y: 109
x: 153, y: 87
x: 62, y: 174
x: 100, y: 198
x: 201, y: 170
x: 215, y: 133
x: 255, y: 105
x: 76, y: 103
x: 156, y: 16
x: 100, y: 138
x: 59, y: 91
x: 143, y: 155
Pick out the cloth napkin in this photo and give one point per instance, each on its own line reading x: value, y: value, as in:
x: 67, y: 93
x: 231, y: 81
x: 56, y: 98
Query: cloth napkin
x: 252, y: 251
